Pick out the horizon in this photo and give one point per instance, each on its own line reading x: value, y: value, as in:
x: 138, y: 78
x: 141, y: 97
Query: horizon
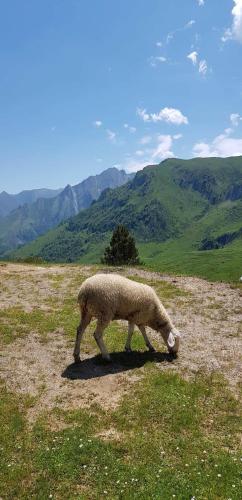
x: 86, y: 87
x: 122, y: 169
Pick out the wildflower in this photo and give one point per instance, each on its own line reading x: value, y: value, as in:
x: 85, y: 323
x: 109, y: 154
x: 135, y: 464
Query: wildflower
x: 105, y: 492
x: 186, y: 465
x: 233, y: 485
x: 219, y: 475
x: 84, y: 466
x: 80, y: 445
x: 117, y: 482
x: 105, y: 467
x: 50, y: 496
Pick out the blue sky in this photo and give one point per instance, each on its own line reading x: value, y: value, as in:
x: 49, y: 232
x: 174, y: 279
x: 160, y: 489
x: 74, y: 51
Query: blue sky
x: 86, y: 85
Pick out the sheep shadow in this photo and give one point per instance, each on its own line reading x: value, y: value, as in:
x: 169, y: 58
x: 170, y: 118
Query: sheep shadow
x: 95, y: 367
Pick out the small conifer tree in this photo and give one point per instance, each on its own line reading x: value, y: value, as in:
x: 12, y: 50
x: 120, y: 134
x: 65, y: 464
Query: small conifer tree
x: 122, y: 249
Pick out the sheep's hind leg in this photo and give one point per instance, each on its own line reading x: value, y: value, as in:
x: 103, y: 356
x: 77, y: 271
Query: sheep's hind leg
x: 148, y: 344
x: 85, y: 320
x: 98, y: 335
x: 128, y: 341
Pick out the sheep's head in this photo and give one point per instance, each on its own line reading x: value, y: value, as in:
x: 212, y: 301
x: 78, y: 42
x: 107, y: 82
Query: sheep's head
x: 173, y: 341
x: 171, y: 337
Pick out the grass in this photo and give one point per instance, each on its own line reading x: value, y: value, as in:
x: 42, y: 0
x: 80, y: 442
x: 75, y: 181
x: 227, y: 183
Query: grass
x: 179, y: 257
x: 171, y: 438
x: 178, y: 438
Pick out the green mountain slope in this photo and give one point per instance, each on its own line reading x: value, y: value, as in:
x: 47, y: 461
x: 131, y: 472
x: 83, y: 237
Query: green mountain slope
x: 27, y: 222
x: 173, y: 209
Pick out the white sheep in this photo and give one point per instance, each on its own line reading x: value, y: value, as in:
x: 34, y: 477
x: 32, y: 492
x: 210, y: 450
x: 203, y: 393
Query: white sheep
x: 108, y: 297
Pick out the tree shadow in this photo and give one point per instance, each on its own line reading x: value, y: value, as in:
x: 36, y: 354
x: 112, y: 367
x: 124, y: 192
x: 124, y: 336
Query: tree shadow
x: 96, y: 367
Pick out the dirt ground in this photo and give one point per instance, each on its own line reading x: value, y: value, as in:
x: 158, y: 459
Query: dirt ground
x: 209, y: 316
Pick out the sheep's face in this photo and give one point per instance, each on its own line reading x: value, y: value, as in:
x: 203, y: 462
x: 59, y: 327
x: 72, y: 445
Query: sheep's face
x: 172, y: 339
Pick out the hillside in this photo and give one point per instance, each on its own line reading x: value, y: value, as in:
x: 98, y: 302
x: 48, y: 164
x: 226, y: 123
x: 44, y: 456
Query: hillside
x: 174, y: 209
x: 27, y: 222
x: 9, y: 202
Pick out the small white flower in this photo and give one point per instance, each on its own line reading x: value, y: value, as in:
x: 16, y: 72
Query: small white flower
x: 84, y: 466
x: 105, y: 467
x: 186, y: 465
x: 117, y: 482
x: 105, y: 492
x: 50, y: 496
x: 219, y: 475
x: 80, y: 445
x: 233, y: 485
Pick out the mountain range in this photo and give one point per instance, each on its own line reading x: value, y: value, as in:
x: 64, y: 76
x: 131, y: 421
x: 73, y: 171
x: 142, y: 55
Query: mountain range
x: 34, y: 218
x: 184, y: 214
x: 9, y: 202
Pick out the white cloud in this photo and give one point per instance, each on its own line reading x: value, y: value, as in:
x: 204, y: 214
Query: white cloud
x: 203, y: 67
x: 111, y: 135
x: 193, y: 57
x: 163, y: 149
x: 97, y: 123
x: 158, y: 44
x: 146, y: 139
x: 154, y: 60
x: 235, y: 118
x: 200, y: 3
x: 99, y: 160
x: 223, y: 145
x: 143, y: 115
x: 235, y: 32
x: 177, y: 136
x: 132, y: 130
x: 189, y: 24
x: 168, y: 115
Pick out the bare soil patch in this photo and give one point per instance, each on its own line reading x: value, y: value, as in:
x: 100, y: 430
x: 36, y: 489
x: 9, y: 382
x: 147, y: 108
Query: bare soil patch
x: 210, y: 319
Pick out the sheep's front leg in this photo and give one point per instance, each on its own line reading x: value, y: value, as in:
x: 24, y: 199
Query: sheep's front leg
x: 85, y: 320
x: 148, y: 344
x: 129, y: 337
x: 98, y: 335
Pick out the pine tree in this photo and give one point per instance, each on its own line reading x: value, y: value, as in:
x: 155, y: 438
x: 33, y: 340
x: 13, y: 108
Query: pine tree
x: 122, y: 249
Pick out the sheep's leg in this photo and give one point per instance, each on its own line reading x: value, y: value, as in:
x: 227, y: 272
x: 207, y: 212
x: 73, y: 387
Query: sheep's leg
x: 148, y: 344
x: 85, y: 320
x: 98, y: 335
x: 128, y: 341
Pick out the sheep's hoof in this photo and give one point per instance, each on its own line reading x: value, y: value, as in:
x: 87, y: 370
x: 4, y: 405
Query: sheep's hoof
x: 151, y: 348
x: 128, y: 349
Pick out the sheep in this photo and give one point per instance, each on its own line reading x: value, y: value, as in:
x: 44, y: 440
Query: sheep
x: 109, y: 297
